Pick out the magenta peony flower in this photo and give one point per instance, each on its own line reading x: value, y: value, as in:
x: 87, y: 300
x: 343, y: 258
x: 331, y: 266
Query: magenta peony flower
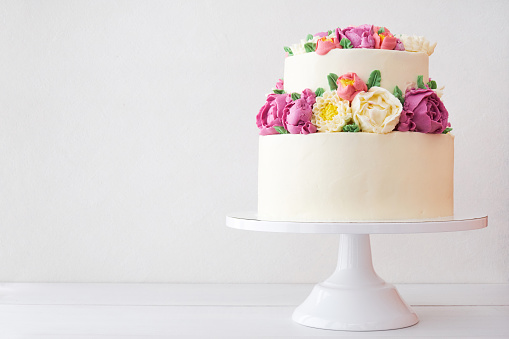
x: 271, y: 114
x: 297, y: 114
x: 367, y: 40
x: 359, y: 36
x: 349, y: 85
x: 309, y: 96
x: 423, y: 111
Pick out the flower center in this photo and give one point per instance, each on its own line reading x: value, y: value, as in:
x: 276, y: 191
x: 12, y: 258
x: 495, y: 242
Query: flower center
x: 346, y: 82
x: 328, y: 112
x: 324, y: 39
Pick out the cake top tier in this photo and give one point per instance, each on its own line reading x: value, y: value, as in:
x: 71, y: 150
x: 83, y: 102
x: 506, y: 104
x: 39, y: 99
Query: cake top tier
x: 363, y: 36
x: 357, y: 79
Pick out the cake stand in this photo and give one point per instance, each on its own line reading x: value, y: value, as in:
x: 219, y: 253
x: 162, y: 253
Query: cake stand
x: 354, y: 297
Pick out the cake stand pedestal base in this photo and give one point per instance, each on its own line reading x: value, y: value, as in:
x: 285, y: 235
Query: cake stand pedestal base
x: 355, y: 298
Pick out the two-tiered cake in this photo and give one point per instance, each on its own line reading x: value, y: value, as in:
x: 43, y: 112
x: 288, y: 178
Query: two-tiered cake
x: 356, y: 131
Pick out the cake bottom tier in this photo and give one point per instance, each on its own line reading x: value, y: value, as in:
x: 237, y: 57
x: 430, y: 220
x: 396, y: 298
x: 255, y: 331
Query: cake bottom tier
x: 355, y: 176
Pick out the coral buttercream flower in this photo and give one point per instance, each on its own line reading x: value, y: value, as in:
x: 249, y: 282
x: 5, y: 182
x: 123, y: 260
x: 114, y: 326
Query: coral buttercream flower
x: 331, y: 113
x: 384, y: 39
x: 325, y: 45
x: 271, y: 114
x: 376, y: 111
x: 349, y: 85
x: 424, y: 112
x: 297, y: 114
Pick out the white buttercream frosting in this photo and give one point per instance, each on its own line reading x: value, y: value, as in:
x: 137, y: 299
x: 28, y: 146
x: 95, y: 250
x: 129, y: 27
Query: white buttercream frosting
x: 417, y: 44
x: 397, y: 68
x: 355, y: 176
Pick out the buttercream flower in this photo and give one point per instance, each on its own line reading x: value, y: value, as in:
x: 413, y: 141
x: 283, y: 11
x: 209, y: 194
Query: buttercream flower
x: 299, y: 48
x: 399, y: 45
x: 417, y: 44
x: 424, y: 112
x: 376, y: 111
x: 384, y: 39
x: 321, y: 34
x: 309, y: 96
x: 325, y: 45
x: 271, y: 114
x: 331, y: 113
x: 297, y: 115
x: 349, y: 85
x: 280, y: 84
x: 360, y: 35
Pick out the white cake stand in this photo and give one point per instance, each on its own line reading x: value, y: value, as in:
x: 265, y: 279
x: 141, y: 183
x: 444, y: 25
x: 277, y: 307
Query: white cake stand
x: 354, y: 297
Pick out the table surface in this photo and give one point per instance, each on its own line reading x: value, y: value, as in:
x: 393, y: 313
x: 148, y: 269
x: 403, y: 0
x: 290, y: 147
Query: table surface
x: 249, y: 221
x: 78, y: 311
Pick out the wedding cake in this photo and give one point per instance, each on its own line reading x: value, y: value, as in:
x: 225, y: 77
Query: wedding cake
x: 355, y: 130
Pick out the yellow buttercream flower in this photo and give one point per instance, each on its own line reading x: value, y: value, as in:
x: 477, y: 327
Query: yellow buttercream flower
x: 331, y: 113
x: 376, y: 111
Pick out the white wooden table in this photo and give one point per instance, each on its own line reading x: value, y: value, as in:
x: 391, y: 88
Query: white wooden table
x: 132, y: 311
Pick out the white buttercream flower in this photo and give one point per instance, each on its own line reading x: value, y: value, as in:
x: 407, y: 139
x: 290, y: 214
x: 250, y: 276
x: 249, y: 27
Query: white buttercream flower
x: 299, y: 47
x: 331, y: 113
x: 376, y: 111
x: 417, y: 44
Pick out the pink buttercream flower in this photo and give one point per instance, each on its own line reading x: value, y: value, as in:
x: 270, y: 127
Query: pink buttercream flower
x: 349, y: 85
x: 297, y: 114
x: 322, y: 34
x: 325, y: 45
x: 399, y: 45
x: 270, y: 115
x: 359, y: 35
x: 280, y: 84
x: 309, y: 96
x: 423, y: 111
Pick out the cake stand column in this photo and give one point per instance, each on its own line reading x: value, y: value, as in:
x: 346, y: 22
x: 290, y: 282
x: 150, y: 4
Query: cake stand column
x: 354, y: 297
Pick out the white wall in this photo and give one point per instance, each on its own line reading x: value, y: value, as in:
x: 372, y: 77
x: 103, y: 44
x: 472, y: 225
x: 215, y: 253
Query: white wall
x: 127, y: 132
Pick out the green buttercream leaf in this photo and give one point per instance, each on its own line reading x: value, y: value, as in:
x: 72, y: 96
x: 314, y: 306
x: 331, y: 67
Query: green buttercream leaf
x: 329, y: 31
x: 381, y: 30
x: 447, y: 130
x: 432, y: 84
x: 281, y: 130
x: 319, y: 91
x: 309, y: 37
x: 332, y: 79
x: 398, y: 94
x: 288, y: 50
x: 420, y: 82
x: 295, y: 96
x: 351, y: 128
x: 346, y: 43
x: 310, y: 47
x: 374, y: 79
x: 278, y: 91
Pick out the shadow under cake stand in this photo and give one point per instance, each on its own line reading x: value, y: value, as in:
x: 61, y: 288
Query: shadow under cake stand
x: 354, y: 297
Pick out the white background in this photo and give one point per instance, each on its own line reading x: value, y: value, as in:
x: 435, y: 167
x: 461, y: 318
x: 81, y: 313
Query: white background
x: 127, y: 132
